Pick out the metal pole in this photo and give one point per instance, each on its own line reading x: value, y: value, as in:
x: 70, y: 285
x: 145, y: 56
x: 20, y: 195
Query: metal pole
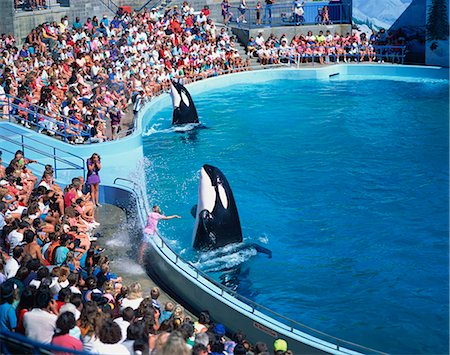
x: 54, y: 162
x: 65, y: 130
x: 9, y: 108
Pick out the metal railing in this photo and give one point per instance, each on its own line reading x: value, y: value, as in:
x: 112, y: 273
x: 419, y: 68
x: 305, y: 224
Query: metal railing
x: 33, y: 5
x: 286, y: 15
x: 152, y: 3
x: 111, y: 5
x: 40, y: 118
x: 290, y: 55
x: 212, y: 285
x: 14, y: 343
x: 27, y: 143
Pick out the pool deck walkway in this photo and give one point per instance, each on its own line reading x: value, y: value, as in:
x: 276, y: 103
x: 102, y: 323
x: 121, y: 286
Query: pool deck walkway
x: 121, y: 251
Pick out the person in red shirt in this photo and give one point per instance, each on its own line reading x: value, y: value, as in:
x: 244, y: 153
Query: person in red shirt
x: 205, y: 11
x: 175, y: 25
x: 70, y: 196
x: 189, y: 21
x: 65, y: 322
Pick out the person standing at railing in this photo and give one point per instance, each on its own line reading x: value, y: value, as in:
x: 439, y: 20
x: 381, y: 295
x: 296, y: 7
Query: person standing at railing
x: 226, y: 14
x: 258, y: 13
x: 152, y: 222
x: 298, y: 11
x: 325, y: 16
x: 268, y: 11
x: 93, y: 178
x: 242, y: 9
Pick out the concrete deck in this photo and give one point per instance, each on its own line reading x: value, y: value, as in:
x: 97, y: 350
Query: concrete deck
x: 121, y: 250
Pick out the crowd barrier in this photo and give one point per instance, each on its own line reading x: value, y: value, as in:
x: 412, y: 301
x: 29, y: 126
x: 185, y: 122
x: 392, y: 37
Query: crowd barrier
x: 392, y: 54
x: 61, y: 160
x: 32, y: 5
x: 286, y: 15
x: 31, y: 115
x: 14, y: 343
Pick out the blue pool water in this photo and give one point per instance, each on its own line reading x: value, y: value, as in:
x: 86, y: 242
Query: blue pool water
x: 345, y: 180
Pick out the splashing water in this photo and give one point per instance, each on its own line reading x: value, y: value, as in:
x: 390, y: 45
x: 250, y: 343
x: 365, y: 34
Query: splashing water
x: 219, y: 260
x: 264, y: 239
x: 128, y: 266
x: 180, y: 129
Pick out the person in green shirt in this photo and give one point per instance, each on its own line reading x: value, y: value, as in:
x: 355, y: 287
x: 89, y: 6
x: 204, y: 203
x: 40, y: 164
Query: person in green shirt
x: 320, y: 38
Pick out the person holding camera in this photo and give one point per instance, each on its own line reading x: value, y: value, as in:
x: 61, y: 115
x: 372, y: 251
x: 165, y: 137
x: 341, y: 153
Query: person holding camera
x: 93, y: 178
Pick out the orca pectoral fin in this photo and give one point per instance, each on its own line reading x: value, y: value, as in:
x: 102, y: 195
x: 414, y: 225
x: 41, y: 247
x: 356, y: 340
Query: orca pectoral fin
x: 194, y: 211
x: 263, y: 250
x: 205, y: 237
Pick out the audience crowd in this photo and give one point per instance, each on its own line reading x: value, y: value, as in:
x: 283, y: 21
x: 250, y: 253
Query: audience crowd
x: 82, y: 74
x: 56, y: 286
x: 327, y: 47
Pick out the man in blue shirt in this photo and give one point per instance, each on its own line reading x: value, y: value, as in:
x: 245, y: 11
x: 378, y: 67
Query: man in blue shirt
x: 105, y: 21
x: 8, y: 318
x: 115, y: 23
x: 77, y: 24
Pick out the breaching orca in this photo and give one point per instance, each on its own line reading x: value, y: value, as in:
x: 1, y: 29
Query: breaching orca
x: 184, y: 110
x: 216, y: 219
x: 216, y: 216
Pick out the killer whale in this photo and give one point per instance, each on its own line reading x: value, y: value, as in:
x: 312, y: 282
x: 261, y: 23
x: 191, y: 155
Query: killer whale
x: 184, y: 110
x: 217, y: 220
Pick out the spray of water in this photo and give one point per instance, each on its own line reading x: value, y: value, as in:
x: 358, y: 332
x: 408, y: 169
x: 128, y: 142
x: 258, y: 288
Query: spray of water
x: 155, y: 128
x: 226, y: 262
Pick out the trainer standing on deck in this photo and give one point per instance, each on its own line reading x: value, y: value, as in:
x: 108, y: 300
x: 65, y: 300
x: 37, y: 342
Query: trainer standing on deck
x: 150, y: 228
x: 93, y: 178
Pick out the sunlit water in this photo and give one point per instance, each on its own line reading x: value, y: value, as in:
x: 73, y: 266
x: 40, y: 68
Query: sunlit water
x: 346, y: 181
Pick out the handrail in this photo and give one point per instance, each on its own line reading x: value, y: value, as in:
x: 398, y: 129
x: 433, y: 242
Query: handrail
x: 37, y: 348
x: 37, y: 107
x: 293, y: 55
x: 156, y: 4
x: 55, y: 156
x: 33, y: 111
x: 47, y: 145
x: 290, y: 323
x: 111, y: 5
x: 284, y: 14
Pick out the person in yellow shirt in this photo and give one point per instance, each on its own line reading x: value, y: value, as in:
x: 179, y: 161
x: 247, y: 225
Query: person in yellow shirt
x: 320, y: 38
x: 62, y: 26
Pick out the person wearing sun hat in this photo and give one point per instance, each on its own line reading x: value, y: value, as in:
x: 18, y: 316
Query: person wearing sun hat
x: 280, y: 347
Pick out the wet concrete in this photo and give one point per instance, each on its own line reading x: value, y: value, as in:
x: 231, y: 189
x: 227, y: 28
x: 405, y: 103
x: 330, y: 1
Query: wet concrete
x: 121, y: 248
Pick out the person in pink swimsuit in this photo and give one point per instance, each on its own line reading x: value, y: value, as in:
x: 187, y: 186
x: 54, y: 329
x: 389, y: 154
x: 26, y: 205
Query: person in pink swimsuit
x: 150, y: 228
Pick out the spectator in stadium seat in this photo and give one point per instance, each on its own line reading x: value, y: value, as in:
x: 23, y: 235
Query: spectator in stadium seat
x: 64, y: 323
x: 40, y: 322
x: 109, y: 336
x: 8, y: 318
